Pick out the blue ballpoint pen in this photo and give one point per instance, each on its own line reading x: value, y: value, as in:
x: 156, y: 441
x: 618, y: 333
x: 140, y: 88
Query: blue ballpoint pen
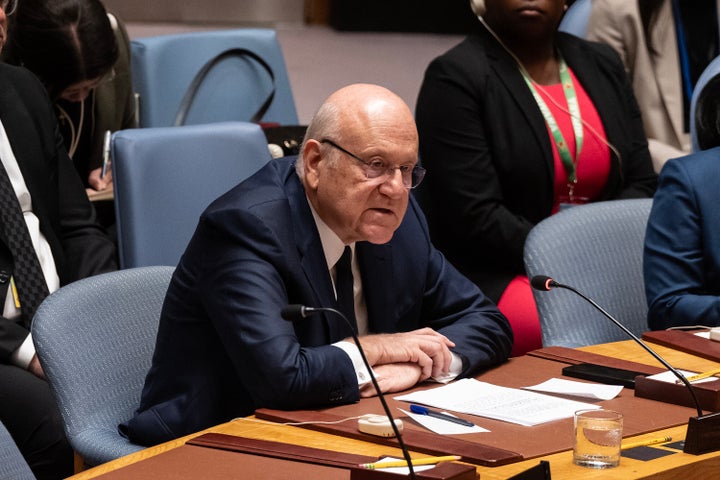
x: 444, y: 416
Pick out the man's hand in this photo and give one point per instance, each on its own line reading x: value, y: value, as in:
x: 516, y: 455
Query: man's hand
x: 394, y: 377
x: 35, y: 368
x: 425, y: 348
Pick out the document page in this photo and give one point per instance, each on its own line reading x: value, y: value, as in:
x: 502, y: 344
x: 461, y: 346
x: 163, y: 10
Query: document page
x: 501, y: 403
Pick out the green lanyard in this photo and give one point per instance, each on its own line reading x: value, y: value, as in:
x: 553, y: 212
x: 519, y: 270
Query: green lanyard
x: 568, y: 162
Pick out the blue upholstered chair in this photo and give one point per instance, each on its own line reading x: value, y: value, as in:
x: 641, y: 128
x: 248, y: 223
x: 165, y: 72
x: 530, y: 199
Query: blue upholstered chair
x: 712, y: 70
x: 95, y: 339
x: 12, y: 464
x: 576, y: 18
x: 234, y: 89
x: 598, y: 249
x: 165, y: 177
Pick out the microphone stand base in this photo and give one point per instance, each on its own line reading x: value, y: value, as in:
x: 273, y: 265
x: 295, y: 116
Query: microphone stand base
x: 703, y: 434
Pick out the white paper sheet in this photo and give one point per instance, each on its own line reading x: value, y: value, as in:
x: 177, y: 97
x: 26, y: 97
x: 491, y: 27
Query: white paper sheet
x: 591, y: 391
x: 669, y: 377
x: 501, y: 403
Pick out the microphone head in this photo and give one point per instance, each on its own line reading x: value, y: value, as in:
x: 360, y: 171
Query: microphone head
x: 542, y: 282
x: 293, y: 312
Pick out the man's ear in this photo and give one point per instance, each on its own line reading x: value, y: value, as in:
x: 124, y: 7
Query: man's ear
x: 312, y: 158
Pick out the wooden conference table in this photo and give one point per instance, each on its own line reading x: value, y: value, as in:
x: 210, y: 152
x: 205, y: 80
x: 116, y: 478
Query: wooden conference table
x: 671, y: 467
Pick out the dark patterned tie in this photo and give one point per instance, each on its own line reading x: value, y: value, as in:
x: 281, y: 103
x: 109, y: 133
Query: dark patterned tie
x: 344, y: 286
x: 28, y: 276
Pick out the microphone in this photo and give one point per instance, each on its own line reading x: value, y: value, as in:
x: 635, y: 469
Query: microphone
x: 701, y: 428
x: 295, y: 312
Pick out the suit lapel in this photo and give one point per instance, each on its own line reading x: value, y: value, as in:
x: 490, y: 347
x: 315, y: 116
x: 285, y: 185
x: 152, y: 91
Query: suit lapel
x: 312, y: 257
x: 508, y: 73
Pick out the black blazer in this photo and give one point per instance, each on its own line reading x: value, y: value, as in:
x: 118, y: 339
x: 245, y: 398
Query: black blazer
x: 67, y: 219
x: 490, y: 166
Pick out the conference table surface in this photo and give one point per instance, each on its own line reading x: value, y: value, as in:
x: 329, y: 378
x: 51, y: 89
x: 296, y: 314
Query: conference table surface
x: 677, y: 465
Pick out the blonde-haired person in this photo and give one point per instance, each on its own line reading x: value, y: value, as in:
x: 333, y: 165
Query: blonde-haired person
x: 516, y: 122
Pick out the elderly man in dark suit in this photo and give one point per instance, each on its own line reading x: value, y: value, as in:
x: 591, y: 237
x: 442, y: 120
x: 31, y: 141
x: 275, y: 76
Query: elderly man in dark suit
x: 282, y: 237
x: 48, y: 238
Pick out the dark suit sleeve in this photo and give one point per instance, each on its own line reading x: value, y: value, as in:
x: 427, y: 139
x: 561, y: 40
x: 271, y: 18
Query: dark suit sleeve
x: 678, y: 282
x: 244, y: 279
x: 80, y: 246
x: 86, y: 248
x: 449, y: 303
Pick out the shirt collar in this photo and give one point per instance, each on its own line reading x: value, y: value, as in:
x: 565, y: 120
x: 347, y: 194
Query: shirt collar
x: 332, y: 246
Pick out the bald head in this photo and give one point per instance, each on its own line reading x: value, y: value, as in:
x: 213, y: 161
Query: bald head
x: 360, y: 111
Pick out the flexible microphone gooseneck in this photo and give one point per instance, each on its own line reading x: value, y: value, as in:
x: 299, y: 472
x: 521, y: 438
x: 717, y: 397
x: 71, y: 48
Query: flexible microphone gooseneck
x: 703, y: 431
x: 298, y: 312
x: 543, y: 283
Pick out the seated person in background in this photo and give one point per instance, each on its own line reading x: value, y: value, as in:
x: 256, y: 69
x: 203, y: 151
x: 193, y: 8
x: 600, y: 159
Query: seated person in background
x: 516, y: 122
x: 48, y: 238
x: 82, y: 55
x: 665, y: 46
x: 682, y: 243
x: 223, y: 349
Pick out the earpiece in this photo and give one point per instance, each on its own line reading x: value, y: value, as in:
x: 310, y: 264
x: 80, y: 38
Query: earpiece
x: 478, y: 7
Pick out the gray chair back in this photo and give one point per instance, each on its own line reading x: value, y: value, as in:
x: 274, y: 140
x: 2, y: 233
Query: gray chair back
x: 710, y: 72
x: 576, y: 19
x: 12, y: 464
x: 598, y: 249
x: 163, y: 68
x: 95, y: 339
x: 165, y: 177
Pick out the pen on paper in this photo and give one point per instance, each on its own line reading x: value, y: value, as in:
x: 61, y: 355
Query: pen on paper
x: 701, y: 376
x: 415, y: 462
x: 443, y: 416
x: 645, y: 443
x: 106, y: 154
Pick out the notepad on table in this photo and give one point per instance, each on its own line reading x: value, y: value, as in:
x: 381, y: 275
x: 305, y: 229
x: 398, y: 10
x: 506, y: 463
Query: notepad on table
x: 484, y: 399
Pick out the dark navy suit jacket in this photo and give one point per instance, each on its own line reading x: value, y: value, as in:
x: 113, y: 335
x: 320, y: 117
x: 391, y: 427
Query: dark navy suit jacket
x: 682, y: 243
x: 222, y: 348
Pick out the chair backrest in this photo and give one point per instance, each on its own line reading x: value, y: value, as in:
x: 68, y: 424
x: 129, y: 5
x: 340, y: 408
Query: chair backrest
x: 163, y: 68
x: 12, y: 464
x: 598, y: 249
x: 95, y: 339
x: 165, y: 177
x: 575, y: 20
x: 712, y: 70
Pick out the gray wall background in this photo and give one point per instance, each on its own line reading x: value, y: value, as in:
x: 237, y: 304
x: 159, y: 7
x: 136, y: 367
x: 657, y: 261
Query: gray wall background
x: 237, y: 12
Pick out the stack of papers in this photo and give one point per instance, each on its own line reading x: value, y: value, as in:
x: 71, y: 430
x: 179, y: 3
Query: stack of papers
x: 500, y: 403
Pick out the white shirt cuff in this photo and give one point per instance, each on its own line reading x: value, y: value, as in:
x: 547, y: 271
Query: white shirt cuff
x: 363, y: 377
x: 24, y: 354
x: 454, y: 370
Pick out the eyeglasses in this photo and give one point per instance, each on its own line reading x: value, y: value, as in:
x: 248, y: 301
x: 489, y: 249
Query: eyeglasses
x: 412, y: 175
x: 8, y: 6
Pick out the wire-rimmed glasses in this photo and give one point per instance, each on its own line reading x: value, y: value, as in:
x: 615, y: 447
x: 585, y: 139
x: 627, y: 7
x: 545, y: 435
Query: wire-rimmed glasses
x: 412, y: 175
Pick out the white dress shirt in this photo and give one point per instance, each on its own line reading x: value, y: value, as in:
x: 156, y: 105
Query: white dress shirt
x: 22, y: 356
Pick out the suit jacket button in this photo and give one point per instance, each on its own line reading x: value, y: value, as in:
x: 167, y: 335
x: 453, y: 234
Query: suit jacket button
x: 4, y: 276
